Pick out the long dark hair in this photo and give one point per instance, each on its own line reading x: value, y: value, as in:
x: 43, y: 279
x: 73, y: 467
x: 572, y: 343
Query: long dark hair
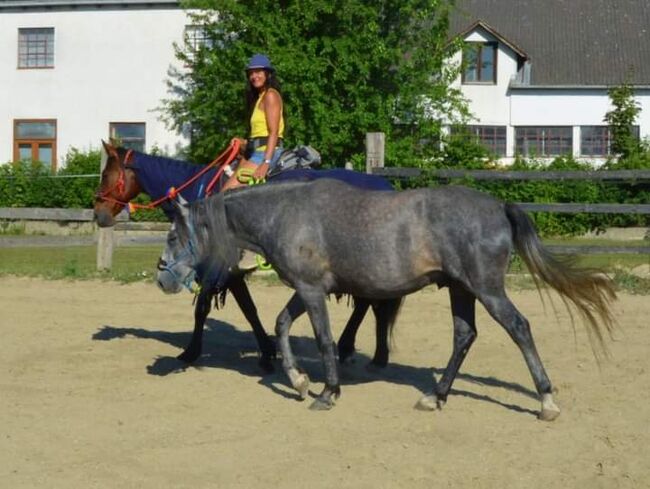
x: 252, y: 94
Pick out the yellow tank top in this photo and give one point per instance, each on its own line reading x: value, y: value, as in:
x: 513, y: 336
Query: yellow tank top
x: 259, y: 128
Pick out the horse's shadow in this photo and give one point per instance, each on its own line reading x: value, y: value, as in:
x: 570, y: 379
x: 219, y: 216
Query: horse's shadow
x: 225, y: 347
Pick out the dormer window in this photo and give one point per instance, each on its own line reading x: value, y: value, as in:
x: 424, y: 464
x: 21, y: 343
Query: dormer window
x: 480, y: 63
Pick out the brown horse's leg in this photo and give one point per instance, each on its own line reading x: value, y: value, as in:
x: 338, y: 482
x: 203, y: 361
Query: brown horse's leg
x: 463, y: 312
x: 347, y: 340
x: 385, y: 314
x: 240, y: 292
x: 201, y: 311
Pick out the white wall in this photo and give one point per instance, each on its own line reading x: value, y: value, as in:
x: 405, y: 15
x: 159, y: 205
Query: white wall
x: 489, y: 103
x: 499, y: 104
x: 109, y: 66
x: 569, y: 107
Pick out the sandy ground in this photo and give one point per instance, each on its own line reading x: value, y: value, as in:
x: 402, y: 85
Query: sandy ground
x: 92, y: 396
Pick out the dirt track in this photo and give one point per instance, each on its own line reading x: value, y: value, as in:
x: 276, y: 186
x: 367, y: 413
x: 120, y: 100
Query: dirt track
x: 91, y: 396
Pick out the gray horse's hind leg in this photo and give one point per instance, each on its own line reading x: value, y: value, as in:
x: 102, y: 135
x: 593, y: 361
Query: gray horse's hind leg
x: 517, y: 326
x: 294, y: 308
x: 463, y: 311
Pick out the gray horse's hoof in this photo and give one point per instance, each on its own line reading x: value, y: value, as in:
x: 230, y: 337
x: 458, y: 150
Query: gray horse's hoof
x: 429, y: 403
x: 548, y: 415
x: 321, y: 405
x: 549, y: 411
x: 300, y: 382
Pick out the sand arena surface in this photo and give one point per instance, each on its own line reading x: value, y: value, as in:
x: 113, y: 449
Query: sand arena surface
x: 92, y: 396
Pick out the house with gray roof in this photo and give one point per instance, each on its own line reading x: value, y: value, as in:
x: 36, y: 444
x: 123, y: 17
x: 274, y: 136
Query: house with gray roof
x: 538, y: 73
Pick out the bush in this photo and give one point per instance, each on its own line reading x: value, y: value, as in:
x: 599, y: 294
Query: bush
x: 31, y: 184
x: 570, y: 191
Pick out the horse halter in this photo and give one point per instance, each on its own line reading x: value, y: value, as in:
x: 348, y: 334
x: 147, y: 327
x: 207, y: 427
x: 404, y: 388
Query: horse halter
x: 119, y: 184
x: 186, y: 282
x: 189, y: 250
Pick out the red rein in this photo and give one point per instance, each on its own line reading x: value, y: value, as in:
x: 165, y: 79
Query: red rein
x: 224, y: 159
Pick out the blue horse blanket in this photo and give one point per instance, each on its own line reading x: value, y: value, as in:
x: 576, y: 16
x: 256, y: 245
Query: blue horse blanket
x: 157, y: 175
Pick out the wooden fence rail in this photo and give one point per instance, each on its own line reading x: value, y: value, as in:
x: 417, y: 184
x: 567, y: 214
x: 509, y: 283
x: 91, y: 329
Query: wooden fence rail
x: 614, y: 176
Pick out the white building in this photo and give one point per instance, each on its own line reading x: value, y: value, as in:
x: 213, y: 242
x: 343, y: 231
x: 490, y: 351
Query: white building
x: 538, y: 79
x: 74, y: 72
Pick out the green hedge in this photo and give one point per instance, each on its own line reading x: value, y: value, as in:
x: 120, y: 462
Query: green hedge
x: 29, y: 184
x: 32, y: 184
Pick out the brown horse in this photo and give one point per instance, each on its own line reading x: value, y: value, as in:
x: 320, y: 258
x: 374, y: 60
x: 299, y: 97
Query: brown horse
x: 128, y: 174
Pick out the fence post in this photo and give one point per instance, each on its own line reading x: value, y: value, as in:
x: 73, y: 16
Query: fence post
x: 374, y: 150
x: 105, y: 236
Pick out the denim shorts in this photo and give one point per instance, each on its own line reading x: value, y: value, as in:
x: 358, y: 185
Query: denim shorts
x: 258, y: 156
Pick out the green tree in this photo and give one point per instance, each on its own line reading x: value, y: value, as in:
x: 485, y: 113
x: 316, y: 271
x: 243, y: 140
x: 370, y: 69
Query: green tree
x: 347, y: 67
x: 621, y: 120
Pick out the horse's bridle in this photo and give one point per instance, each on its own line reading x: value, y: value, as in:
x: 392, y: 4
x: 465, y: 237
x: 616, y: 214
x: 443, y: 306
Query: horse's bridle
x: 119, y: 185
x: 190, y: 250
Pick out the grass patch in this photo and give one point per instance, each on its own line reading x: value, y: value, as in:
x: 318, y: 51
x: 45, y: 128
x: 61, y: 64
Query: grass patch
x: 138, y: 263
x: 130, y: 264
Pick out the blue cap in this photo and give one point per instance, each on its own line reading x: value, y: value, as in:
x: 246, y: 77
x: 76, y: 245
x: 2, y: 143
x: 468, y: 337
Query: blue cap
x: 260, y: 61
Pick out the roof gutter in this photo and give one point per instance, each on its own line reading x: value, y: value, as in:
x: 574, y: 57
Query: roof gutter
x: 518, y: 86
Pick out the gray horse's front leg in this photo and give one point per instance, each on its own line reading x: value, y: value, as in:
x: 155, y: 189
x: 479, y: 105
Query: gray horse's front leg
x: 315, y: 304
x: 201, y: 310
x: 294, y: 308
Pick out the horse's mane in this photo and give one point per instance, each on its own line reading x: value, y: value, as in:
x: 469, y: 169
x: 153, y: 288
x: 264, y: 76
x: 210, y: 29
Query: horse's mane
x: 217, y: 250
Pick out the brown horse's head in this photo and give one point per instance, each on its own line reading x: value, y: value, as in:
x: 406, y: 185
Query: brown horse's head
x: 117, y: 187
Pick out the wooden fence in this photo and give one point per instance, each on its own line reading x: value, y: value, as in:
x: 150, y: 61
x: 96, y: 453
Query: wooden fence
x: 375, y: 165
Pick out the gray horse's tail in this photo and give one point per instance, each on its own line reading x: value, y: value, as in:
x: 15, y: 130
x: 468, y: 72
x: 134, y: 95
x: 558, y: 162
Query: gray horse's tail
x: 589, y: 290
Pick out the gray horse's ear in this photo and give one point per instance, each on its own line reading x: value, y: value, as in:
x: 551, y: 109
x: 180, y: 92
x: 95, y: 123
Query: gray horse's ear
x: 181, y: 207
x: 177, y: 207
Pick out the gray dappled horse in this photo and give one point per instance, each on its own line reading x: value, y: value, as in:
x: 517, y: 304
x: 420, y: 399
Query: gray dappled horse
x: 327, y: 237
